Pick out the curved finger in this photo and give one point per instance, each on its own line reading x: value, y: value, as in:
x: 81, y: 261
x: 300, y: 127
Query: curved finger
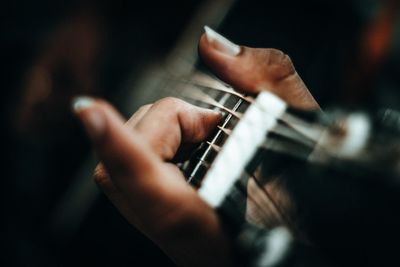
x: 152, y: 194
x: 122, y: 151
x: 171, y: 121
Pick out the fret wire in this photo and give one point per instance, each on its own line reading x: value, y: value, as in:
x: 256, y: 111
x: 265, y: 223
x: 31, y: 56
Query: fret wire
x: 226, y: 121
x: 214, y: 146
x: 228, y: 132
x: 208, y: 150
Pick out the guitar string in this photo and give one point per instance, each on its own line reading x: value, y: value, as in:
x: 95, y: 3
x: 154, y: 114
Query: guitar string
x: 310, y: 132
x: 260, y: 206
x: 295, y: 125
x: 218, y: 88
x: 211, y: 84
x: 200, y: 96
x: 311, y: 135
x: 226, y: 121
x: 189, y: 91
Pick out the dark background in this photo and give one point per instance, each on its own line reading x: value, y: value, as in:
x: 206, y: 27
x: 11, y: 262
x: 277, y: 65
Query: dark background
x: 347, y: 52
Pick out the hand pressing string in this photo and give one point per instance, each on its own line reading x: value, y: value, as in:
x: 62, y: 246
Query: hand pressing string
x: 136, y: 172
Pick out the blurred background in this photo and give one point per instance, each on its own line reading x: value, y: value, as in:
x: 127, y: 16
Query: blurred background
x: 346, y: 51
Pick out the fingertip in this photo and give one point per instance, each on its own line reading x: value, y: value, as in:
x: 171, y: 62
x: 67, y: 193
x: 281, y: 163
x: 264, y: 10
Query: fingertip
x: 88, y: 111
x: 255, y: 69
x: 200, y: 124
x: 211, y: 118
x: 220, y: 43
x: 98, y: 117
x: 80, y: 103
x: 236, y: 67
x: 214, y: 114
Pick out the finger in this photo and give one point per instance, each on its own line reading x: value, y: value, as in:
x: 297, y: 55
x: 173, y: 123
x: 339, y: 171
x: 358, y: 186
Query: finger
x: 171, y: 121
x: 136, y: 171
x: 103, y: 179
x: 122, y: 151
x: 138, y: 174
x: 160, y: 203
x: 251, y: 70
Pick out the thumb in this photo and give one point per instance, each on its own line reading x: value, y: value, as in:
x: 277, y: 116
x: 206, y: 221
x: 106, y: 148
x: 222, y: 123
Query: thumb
x: 120, y: 149
x: 251, y: 70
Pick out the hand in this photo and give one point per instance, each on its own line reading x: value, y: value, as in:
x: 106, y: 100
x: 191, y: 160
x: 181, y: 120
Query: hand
x: 137, y: 175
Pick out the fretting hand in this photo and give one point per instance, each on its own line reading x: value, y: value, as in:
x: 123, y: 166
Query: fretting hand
x: 138, y: 177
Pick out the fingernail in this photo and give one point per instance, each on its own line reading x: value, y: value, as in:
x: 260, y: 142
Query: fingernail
x: 214, y: 112
x: 92, y: 119
x: 221, y: 43
x: 81, y: 102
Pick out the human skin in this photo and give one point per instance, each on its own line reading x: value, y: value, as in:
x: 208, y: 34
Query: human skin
x: 136, y: 172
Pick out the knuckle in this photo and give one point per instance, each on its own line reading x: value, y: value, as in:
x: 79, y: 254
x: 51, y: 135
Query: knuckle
x: 278, y: 57
x: 287, y: 61
x: 277, y: 53
x: 280, y: 61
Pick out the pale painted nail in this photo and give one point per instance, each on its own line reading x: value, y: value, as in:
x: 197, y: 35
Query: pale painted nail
x: 221, y: 43
x: 81, y: 102
x: 93, y: 120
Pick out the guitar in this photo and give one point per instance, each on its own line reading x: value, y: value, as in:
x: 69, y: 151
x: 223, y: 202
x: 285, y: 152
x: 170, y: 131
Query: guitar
x: 249, y: 169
